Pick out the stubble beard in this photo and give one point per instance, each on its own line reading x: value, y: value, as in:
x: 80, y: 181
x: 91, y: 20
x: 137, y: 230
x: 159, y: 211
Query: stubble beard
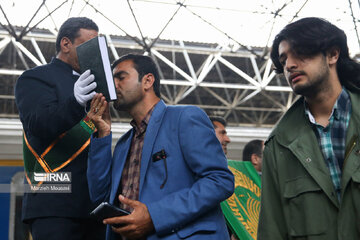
x: 314, y: 85
x: 121, y: 104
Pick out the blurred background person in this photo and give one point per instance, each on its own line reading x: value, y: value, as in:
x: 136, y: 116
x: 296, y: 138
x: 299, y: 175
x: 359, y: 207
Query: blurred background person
x: 253, y: 152
x: 220, y: 131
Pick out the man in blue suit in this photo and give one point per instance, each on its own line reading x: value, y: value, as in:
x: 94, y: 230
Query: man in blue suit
x: 169, y: 170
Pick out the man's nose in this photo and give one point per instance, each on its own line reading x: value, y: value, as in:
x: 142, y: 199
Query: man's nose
x: 227, y: 139
x: 117, y: 83
x: 291, y: 63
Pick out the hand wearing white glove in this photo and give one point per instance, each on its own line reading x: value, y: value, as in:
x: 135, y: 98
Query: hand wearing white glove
x: 83, y: 88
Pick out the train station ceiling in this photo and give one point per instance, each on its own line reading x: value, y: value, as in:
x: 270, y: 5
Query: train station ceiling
x: 213, y: 54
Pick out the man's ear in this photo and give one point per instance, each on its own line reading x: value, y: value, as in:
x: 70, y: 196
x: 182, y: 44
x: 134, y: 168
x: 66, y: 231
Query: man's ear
x: 254, y: 159
x: 148, y: 81
x: 65, y: 44
x: 333, y: 55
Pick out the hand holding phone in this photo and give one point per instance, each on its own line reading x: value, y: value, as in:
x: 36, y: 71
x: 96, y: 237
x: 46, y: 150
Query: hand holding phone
x: 106, y: 210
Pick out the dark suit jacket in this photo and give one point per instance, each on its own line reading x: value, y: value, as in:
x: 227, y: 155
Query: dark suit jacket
x: 47, y: 108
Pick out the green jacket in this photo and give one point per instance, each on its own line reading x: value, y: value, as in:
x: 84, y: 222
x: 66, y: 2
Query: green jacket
x: 298, y: 199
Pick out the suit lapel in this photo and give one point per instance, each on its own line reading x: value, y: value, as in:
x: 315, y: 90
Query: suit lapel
x: 120, y: 157
x: 150, y: 137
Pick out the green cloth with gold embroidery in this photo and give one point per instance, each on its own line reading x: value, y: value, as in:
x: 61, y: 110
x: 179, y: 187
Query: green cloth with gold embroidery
x: 242, y: 209
x: 60, y: 153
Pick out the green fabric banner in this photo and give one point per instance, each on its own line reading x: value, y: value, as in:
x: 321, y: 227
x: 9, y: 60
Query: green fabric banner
x: 241, y: 210
x: 59, y: 154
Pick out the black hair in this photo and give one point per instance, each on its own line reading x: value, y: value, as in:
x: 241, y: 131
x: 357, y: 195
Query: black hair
x: 70, y: 29
x: 217, y: 119
x: 310, y: 36
x: 143, y: 65
x: 253, y: 147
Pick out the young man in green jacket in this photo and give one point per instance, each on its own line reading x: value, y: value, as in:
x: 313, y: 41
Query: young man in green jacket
x: 311, y: 166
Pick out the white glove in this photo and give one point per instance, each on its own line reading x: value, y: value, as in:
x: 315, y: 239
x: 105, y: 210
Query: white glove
x: 83, y: 88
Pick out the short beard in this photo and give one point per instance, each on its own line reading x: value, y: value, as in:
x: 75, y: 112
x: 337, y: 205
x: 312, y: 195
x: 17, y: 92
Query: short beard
x: 313, y: 88
x: 127, y: 105
x: 315, y: 85
x: 121, y: 107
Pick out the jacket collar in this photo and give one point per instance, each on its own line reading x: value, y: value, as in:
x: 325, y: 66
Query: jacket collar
x: 150, y: 137
x: 294, y: 123
x: 291, y: 124
x: 59, y: 63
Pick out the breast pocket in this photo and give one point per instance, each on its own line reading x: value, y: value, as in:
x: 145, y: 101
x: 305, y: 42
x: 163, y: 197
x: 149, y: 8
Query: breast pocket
x: 158, y: 167
x: 304, y: 207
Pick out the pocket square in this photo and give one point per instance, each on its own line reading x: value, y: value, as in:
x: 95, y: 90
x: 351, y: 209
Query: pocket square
x: 159, y: 155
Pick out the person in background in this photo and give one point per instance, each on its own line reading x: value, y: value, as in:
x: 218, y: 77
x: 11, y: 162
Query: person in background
x: 170, y: 181
x: 253, y: 152
x: 51, y: 100
x: 219, y: 125
x: 311, y: 169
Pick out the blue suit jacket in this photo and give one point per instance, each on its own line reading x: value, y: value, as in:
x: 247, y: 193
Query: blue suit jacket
x: 198, y: 176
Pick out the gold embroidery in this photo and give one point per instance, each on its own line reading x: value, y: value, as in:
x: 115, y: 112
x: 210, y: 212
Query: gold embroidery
x: 246, y: 208
x: 241, y: 180
x: 89, y: 123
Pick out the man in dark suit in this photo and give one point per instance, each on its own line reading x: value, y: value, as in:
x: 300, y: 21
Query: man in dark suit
x: 51, y: 101
x: 169, y: 169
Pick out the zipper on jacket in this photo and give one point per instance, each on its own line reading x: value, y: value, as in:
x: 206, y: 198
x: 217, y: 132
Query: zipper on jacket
x: 350, y: 148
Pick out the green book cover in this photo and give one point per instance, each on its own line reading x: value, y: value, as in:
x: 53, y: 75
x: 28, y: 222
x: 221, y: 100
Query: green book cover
x: 93, y: 55
x: 242, y: 209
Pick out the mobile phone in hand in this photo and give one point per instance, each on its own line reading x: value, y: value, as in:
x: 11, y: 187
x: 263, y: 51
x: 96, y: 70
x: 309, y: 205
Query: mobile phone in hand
x: 106, y: 210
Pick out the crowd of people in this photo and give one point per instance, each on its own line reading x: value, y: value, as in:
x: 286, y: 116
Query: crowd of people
x: 170, y: 169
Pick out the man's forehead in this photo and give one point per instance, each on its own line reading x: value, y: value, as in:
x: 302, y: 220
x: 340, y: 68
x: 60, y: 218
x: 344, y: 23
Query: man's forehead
x: 118, y: 72
x: 284, y: 46
x: 123, y: 67
x: 218, y: 124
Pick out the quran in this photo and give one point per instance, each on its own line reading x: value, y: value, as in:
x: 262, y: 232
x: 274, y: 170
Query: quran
x: 93, y: 55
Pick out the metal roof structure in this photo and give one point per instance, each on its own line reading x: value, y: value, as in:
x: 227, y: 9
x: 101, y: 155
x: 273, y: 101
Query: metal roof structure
x: 232, y: 84
x: 231, y: 79
x: 213, y: 54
